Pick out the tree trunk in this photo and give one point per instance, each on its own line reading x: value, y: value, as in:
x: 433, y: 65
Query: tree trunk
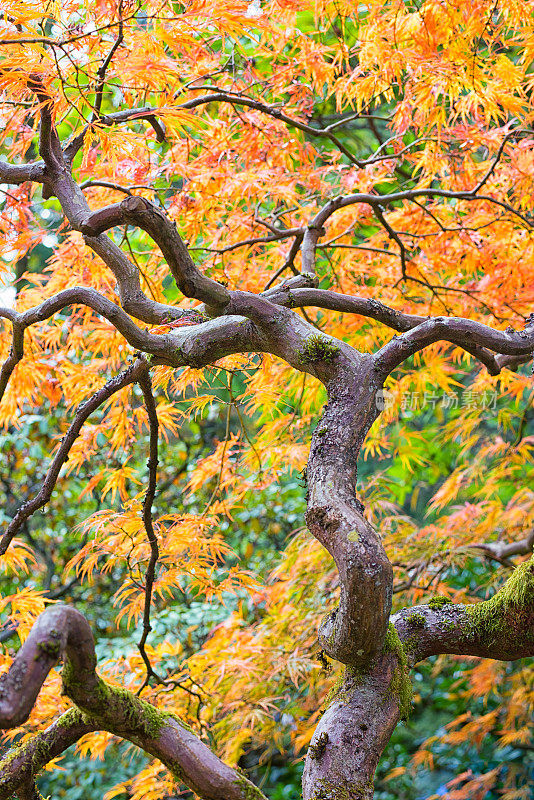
x: 350, y: 737
x: 352, y: 734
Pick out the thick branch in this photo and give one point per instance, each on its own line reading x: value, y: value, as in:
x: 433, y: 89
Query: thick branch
x: 369, y: 307
x: 137, y: 211
x: 20, y: 173
x: 138, y: 338
x: 133, y: 299
x: 501, y: 627
x: 62, y: 632
x: 59, y: 182
x: 16, y: 352
x: 49, y: 144
x: 308, y: 248
x: 351, y: 735
x: 334, y: 301
x: 354, y: 633
x: 466, y: 333
x: 21, y: 763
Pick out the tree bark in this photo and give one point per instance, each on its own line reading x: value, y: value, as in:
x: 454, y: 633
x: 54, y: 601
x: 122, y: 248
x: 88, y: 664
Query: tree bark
x: 349, y: 740
x: 353, y: 633
x: 350, y: 737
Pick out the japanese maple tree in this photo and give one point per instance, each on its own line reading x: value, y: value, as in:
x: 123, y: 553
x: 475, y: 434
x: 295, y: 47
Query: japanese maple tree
x: 313, y: 205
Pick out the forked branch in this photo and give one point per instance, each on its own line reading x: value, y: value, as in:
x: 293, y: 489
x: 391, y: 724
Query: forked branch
x: 137, y: 211
x: 62, y: 633
x: 465, y: 333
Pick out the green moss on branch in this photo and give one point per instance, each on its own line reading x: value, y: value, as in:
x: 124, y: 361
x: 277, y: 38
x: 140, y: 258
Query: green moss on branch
x: 318, y: 348
x: 250, y: 792
x: 416, y: 620
x: 401, y: 685
x: 116, y: 708
x: 438, y: 601
x: 493, y: 617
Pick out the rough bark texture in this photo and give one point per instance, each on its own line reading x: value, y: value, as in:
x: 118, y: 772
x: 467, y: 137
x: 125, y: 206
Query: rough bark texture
x: 501, y: 627
x: 354, y: 632
x: 350, y: 737
x: 62, y: 632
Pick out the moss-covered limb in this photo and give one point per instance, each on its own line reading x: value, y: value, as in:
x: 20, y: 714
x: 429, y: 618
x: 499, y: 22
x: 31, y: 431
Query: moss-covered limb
x: 112, y: 706
x: 369, y: 702
x: 501, y: 627
x: 401, y: 685
x: 437, y: 601
x: 248, y: 789
x: 330, y: 790
x: 24, y: 761
x: 161, y: 734
x: 194, y: 764
x: 61, y: 631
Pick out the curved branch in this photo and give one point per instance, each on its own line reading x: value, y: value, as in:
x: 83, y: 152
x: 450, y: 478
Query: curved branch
x: 133, y: 299
x: 335, y: 301
x: 17, y: 349
x: 22, y: 762
x: 49, y: 144
x: 59, y: 182
x: 352, y: 734
x: 151, y: 113
x: 374, y: 309
x: 353, y: 633
x: 383, y: 200
x: 62, y: 632
x: 20, y: 173
x: 83, y: 412
x: 142, y: 340
x: 379, y: 202
x: 466, y: 333
x: 150, y: 405
x: 134, y: 335
x: 138, y: 211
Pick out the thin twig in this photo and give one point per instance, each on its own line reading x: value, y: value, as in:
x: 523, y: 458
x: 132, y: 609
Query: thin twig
x: 146, y: 386
x: 83, y: 412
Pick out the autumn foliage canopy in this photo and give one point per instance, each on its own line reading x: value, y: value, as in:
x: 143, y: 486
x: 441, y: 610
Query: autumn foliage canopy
x: 240, y: 211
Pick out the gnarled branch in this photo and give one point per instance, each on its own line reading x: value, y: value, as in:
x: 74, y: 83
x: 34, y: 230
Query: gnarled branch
x: 138, y: 211
x: 62, y: 632
x: 466, y: 333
